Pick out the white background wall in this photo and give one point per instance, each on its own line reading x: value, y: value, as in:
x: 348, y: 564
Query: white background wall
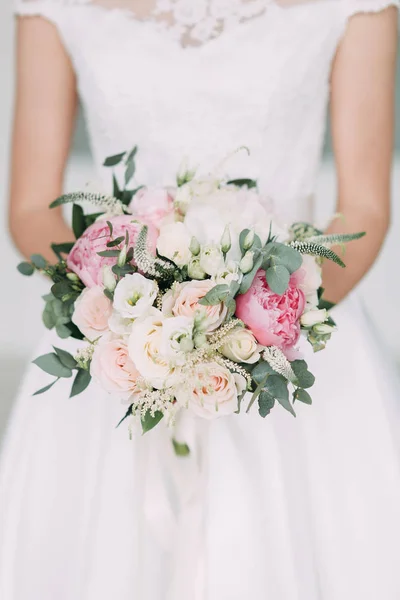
x: 20, y: 298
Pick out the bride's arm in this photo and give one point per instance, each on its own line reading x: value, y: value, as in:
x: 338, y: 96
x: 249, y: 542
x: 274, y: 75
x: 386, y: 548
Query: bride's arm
x: 43, y: 126
x: 362, y: 111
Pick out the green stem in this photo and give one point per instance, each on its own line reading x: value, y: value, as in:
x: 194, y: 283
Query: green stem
x: 257, y: 391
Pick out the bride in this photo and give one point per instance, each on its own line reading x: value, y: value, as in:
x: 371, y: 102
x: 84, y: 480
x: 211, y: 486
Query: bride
x: 284, y: 509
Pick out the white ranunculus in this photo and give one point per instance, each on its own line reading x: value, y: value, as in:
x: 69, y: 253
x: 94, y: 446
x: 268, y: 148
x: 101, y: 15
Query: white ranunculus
x: 211, y: 259
x: 314, y: 317
x: 134, y: 295
x: 229, y: 273
x: 145, y: 349
x: 242, y: 347
x: 177, y: 339
x: 174, y: 243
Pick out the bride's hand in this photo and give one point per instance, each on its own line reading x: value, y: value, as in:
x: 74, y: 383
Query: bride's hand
x: 362, y: 110
x: 44, y: 119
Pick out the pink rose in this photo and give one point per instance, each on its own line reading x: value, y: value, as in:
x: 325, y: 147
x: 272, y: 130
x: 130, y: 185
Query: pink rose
x: 113, y: 368
x: 152, y: 205
x: 91, y: 312
x: 83, y: 258
x: 183, y: 301
x: 273, y: 319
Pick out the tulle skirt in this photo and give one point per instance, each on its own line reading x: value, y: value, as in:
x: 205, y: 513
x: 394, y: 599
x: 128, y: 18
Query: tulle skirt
x: 281, y: 508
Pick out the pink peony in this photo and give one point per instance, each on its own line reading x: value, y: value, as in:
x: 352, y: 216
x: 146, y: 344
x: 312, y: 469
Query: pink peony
x: 273, y: 319
x: 83, y: 258
x: 152, y: 205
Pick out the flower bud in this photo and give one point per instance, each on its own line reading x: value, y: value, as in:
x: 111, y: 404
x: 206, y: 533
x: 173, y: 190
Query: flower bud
x: 108, y: 277
x: 211, y: 259
x: 323, y: 329
x: 195, y: 271
x: 200, y: 340
x: 185, y: 173
x: 72, y: 277
x: 226, y: 242
x: 314, y: 317
x: 186, y: 345
x: 194, y: 246
x: 248, y: 240
x: 247, y: 262
x: 122, y: 257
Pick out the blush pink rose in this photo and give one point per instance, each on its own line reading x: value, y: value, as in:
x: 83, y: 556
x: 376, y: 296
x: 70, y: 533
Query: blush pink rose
x: 273, y: 319
x: 84, y: 259
x: 91, y: 312
x: 152, y: 205
x: 113, y: 369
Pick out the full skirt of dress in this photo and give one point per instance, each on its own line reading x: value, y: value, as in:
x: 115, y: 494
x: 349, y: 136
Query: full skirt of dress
x: 281, y: 508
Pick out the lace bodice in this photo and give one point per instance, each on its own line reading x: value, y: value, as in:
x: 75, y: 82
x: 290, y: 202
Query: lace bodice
x: 200, y: 78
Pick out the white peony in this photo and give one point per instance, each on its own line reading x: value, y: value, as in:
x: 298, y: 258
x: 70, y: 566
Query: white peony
x: 145, y: 349
x: 211, y: 259
x: 242, y: 347
x: 134, y: 295
x: 177, y: 339
x: 173, y: 243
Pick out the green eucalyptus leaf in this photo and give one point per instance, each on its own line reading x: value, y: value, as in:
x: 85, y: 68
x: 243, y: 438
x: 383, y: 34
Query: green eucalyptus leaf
x: 51, y: 364
x: 285, y: 402
x: 278, y: 278
x: 261, y: 371
x: 25, y: 268
x: 62, y: 330
x: 60, y: 249
x: 48, y: 317
x: 149, y: 421
x: 81, y: 382
x: 266, y: 403
x: 304, y: 377
x: 277, y: 386
x: 216, y: 295
x: 280, y: 254
x: 66, y: 358
x: 113, y: 161
x: 249, y: 277
x: 78, y: 220
x: 302, y: 396
x: 60, y: 289
x: 39, y: 261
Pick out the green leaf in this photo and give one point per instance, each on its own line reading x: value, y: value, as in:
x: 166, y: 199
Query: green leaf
x: 278, y: 279
x: 266, y: 403
x: 149, y: 421
x: 181, y: 449
x: 48, y: 317
x: 66, y: 358
x: 132, y: 155
x: 242, y: 237
x: 216, y: 295
x: 249, y: 183
x: 109, y: 295
x: 60, y: 289
x: 302, y: 396
x: 116, y: 242
x: 90, y: 219
x: 78, y: 220
x: 51, y: 364
x: 249, y: 277
x: 39, y: 261
x: 81, y: 382
x: 109, y: 253
x: 25, y: 268
x: 303, y: 375
x: 126, y: 196
x: 231, y: 307
x: 280, y: 254
x: 287, y: 405
x: 60, y: 249
x: 277, y: 386
x: 46, y: 388
x: 75, y: 332
x: 130, y: 171
x: 326, y: 304
x: 260, y: 372
x: 113, y: 161
x: 127, y: 414
x: 62, y: 330
x: 116, y: 190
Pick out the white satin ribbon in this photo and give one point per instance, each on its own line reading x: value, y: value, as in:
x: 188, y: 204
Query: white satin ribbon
x: 175, y: 492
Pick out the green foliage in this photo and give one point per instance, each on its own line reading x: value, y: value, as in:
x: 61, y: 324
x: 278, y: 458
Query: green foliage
x: 66, y: 358
x: 149, y: 421
x: 249, y: 277
x: 78, y: 220
x: 261, y: 371
x: 128, y: 413
x: 182, y: 450
x: 60, y: 249
x: 305, y: 379
x: 249, y: 183
x: 51, y: 364
x: 276, y: 253
x: 317, y: 250
x: 113, y: 161
x: 62, y: 331
x: 336, y: 238
x: 216, y: 295
x: 266, y: 403
x: 81, y: 382
x: 38, y: 261
x: 242, y: 236
x: 278, y: 278
x: 302, y: 396
x: 303, y: 231
x: 46, y: 388
x: 25, y: 268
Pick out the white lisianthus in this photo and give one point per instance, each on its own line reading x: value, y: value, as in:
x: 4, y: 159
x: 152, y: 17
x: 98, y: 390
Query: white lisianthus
x: 242, y: 347
x: 174, y: 243
x: 229, y: 273
x: 145, y: 349
x: 177, y: 339
x: 120, y: 325
x: 314, y: 317
x: 134, y: 295
x: 211, y: 259
x: 195, y: 270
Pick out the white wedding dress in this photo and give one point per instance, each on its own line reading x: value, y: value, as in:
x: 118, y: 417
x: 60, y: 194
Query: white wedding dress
x: 277, y: 509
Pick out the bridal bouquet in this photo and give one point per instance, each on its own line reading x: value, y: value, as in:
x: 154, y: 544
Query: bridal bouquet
x: 191, y: 297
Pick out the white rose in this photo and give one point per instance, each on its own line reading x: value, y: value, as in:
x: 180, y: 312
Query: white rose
x: 210, y: 391
x: 211, y: 259
x: 229, y: 273
x: 314, y: 317
x: 173, y: 243
x: 91, y: 312
x: 145, y: 349
x: 134, y: 295
x: 241, y: 346
x: 177, y: 339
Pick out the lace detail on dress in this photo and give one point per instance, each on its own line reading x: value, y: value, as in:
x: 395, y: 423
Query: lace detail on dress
x: 191, y: 22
